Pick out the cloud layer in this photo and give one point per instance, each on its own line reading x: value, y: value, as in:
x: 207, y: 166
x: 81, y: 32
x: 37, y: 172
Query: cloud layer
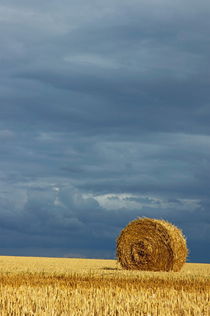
x: 104, y: 116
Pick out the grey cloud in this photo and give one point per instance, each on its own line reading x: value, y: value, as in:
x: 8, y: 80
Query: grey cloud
x: 75, y: 223
x: 110, y: 97
x: 72, y: 223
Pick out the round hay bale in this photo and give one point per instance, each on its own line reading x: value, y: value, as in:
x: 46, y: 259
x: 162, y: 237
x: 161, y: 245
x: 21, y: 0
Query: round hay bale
x: 152, y: 245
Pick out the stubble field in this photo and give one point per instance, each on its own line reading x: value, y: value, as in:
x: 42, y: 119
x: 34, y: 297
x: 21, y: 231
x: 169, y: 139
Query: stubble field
x: 89, y: 287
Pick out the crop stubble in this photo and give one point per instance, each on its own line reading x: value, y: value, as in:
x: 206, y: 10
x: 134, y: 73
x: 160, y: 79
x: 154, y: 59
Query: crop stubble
x: 85, y: 287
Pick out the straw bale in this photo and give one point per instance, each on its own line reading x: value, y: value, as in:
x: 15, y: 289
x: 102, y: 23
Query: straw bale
x: 152, y: 245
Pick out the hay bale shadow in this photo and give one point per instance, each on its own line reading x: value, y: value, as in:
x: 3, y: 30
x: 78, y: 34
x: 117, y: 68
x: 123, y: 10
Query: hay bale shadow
x: 109, y: 268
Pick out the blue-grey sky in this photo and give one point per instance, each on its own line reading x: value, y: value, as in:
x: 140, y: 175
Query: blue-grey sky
x: 104, y: 117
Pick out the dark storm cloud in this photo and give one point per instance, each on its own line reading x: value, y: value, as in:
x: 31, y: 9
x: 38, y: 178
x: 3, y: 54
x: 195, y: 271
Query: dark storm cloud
x: 144, y: 70
x: 100, y: 99
x: 70, y: 223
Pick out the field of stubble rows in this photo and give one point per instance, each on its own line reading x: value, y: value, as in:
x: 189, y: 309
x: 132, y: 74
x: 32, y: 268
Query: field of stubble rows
x: 88, y: 287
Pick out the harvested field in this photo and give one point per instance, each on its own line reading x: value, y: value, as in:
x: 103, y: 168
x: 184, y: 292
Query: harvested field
x: 89, y: 287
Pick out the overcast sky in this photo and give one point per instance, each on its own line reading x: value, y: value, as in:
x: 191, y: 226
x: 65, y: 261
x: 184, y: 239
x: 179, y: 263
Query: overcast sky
x: 104, y: 117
